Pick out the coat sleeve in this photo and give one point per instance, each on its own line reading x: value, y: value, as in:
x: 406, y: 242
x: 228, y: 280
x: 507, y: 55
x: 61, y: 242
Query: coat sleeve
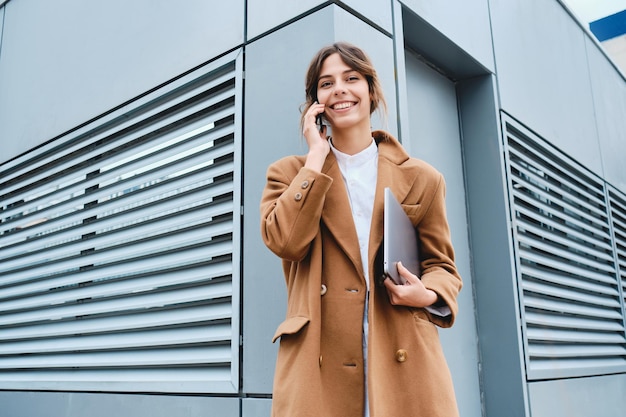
x: 291, y: 208
x: 439, y: 271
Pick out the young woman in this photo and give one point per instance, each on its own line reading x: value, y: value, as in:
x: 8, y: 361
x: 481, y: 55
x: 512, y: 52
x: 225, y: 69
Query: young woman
x: 351, y: 345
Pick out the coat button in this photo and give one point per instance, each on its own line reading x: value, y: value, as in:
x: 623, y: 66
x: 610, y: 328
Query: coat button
x: 320, y: 361
x: 324, y: 289
x: 305, y: 184
x: 401, y: 355
x: 298, y: 196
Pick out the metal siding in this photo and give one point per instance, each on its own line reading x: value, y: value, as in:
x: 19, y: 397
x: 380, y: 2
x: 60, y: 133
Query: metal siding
x: 119, y: 270
x: 617, y: 202
x: 571, y: 304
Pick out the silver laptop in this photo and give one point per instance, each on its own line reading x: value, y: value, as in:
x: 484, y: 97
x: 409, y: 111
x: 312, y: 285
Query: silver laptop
x: 399, y: 240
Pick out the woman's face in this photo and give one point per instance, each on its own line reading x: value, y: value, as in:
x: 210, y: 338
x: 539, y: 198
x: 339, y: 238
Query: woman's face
x: 345, y: 93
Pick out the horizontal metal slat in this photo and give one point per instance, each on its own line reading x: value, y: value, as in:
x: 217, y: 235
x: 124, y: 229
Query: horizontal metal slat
x: 570, y: 257
x: 127, y: 254
x: 165, y: 338
x: 155, y: 263
x: 558, y: 237
x: 559, y: 196
x: 571, y: 322
x: 137, y: 210
x: 49, y: 296
x: 566, y: 307
x: 102, y: 195
x: 183, y: 315
x: 550, y: 368
x: 68, y: 184
x: 557, y: 264
x: 136, y: 281
x: 181, y: 379
x: 133, y: 302
x: 108, y: 233
x: 527, y: 150
x: 125, y: 122
x: 557, y: 278
x: 580, y: 337
x: 576, y: 351
x: 601, y: 241
x: 137, y: 358
x: 545, y: 210
x: 571, y: 295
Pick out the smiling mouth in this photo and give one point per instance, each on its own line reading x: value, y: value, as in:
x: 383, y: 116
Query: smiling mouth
x: 342, y: 105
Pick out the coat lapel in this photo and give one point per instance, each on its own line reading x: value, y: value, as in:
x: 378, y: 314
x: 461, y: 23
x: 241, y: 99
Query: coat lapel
x: 391, y: 173
x: 337, y: 214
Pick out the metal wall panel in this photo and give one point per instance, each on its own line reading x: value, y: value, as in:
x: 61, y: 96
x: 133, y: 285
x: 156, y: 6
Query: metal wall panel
x: 617, y: 202
x: 65, y: 62
x: 274, y: 92
x: 265, y: 15
x: 543, y: 75
x: 579, y: 397
x: 609, y: 101
x: 436, y: 139
x: 573, y: 314
x: 472, y: 34
x: 119, y: 270
x: 31, y: 404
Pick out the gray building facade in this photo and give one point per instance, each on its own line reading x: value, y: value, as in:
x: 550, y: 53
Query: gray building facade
x: 135, y: 138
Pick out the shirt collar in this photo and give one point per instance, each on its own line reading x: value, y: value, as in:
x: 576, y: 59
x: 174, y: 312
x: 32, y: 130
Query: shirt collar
x: 357, y: 159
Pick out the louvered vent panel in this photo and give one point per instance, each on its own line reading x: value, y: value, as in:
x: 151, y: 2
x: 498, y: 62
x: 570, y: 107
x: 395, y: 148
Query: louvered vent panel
x: 571, y: 304
x: 118, y: 267
x: 618, y: 216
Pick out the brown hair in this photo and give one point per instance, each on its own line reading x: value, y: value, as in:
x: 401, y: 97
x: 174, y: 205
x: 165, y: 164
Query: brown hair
x: 354, y: 58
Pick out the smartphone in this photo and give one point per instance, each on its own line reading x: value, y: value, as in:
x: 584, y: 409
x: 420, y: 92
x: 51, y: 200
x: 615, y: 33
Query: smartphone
x: 318, y: 120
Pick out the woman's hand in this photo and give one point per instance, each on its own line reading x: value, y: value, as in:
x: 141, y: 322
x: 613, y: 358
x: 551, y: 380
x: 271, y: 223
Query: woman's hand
x: 412, y: 294
x: 317, y: 141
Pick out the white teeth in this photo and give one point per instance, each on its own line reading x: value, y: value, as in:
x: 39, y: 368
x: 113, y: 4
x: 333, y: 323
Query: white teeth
x: 340, y: 106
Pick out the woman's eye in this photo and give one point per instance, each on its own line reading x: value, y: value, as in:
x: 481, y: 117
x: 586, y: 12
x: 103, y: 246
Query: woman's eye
x: 325, y: 84
x: 353, y: 78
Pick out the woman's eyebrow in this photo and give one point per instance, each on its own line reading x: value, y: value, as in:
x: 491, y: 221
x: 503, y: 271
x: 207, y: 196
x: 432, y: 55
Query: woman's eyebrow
x: 330, y: 76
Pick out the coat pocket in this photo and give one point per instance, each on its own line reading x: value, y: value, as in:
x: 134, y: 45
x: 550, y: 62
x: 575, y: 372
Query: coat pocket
x: 414, y: 212
x: 290, y: 326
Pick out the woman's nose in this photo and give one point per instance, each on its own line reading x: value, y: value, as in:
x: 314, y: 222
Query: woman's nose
x: 339, y: 89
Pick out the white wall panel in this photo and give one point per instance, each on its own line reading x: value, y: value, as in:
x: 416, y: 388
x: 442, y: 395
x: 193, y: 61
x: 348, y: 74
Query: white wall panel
x: 609, y: 100
x: 543, y: 75
x: 65, y: 62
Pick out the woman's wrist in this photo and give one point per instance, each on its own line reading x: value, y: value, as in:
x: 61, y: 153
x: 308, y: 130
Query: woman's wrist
x: 315, y: 160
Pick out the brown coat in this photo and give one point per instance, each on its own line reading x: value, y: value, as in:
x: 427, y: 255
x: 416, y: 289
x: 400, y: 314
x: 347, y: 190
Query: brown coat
x: 306, y: 220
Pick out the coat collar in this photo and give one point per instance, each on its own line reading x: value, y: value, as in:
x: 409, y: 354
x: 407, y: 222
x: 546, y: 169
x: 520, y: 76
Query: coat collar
x: 337, y: 214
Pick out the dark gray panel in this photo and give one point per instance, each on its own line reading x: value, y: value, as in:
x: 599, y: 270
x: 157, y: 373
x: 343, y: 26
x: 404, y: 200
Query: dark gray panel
x: 466, y: 26
x: 495, y: 289
x: 65, y: 62
x: 34, y: 404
